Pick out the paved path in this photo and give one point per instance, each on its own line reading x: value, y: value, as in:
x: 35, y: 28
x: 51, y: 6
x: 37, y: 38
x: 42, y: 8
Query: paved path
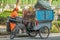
x: 2, y: 26
x: 53, y: 36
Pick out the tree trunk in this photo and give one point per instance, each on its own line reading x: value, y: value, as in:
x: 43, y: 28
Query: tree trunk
x: 50, y: 1
x: 17, y: 3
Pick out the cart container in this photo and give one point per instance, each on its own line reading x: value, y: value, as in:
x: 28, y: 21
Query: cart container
x: 44, y: 15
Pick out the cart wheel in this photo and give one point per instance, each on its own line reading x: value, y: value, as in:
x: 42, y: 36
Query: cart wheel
x: 44, y: 32
x: 32, y: 34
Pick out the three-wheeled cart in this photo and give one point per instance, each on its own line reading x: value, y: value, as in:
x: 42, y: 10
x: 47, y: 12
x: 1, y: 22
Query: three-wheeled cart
x: 43, y: 23
x: 42, y: 26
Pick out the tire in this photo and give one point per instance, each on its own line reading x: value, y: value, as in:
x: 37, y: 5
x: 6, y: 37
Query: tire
x: 42, y: 32
x: 12, y: 35
x: 32, y: 34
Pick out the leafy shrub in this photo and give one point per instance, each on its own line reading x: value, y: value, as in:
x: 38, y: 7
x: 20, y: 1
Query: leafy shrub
x: 4, y: 15
x: 54, y: 29
x: 59, y: 23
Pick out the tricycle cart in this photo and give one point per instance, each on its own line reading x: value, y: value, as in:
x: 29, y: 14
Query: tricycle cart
x: 42, y: 25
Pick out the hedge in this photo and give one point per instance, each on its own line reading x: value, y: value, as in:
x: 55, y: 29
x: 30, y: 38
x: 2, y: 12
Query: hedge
x: 4, y: 15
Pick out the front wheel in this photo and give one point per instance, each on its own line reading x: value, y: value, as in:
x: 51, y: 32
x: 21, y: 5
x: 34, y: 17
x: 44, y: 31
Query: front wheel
x: 44, y: 32
x: 12, y: 35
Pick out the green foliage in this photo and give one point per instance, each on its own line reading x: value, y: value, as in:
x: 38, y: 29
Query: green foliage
x: 55, y: 27
x: 21, y: 1
x: 4, y: 15
x: 56, y: 2
x: 59, y: 23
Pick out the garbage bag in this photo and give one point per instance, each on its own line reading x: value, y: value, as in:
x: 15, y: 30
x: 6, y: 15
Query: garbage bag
x: 43, y: 4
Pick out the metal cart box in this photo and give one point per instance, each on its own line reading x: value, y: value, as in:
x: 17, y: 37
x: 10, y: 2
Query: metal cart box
x: 43, y: 15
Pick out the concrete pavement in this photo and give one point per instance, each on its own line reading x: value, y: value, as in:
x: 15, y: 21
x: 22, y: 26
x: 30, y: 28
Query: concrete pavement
x: 25, y: 35
x: 53, y: 36
x: 2, y: 28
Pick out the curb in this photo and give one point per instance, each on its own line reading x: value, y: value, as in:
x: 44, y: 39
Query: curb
x: 7, y: 36
x: 18, y: 35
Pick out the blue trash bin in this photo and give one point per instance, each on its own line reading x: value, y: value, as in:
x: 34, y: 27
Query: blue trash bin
x: 44, y: 15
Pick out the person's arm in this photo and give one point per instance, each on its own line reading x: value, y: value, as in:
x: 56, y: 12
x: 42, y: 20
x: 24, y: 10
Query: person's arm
x: 16, y: 20
x: 12, y: 20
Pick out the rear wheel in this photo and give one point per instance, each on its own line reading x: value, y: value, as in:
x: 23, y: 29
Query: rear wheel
x: 32, y: 33
x: 44, y: 32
